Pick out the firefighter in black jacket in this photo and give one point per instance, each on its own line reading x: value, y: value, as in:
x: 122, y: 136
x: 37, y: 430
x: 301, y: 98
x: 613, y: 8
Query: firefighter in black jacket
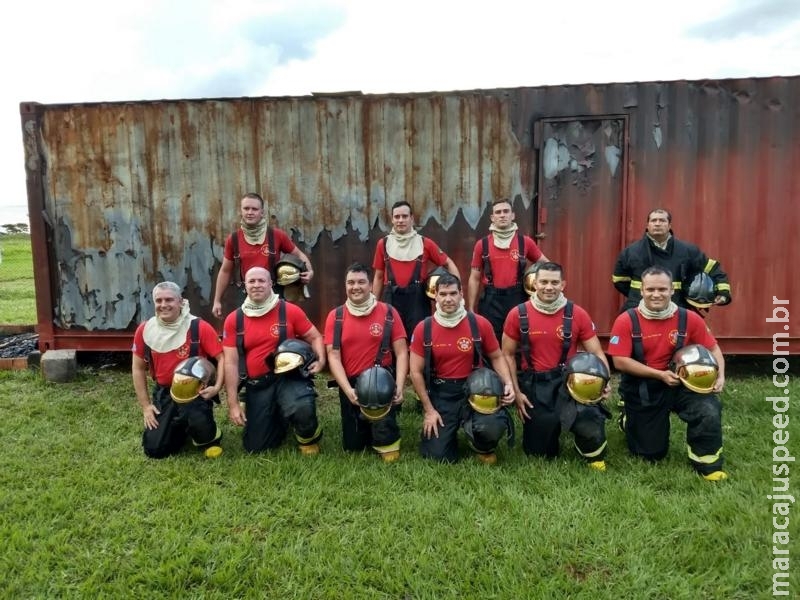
x: 659, y: 248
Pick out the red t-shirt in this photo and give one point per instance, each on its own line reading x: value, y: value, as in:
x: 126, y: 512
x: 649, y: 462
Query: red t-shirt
x: 261, y: 335
x: 252, y: 255
x: 452, y: 348
x: 164, y: 363
x: 545, y: 333
x: 404, y: 269
x: 504, y: 262
x: 659, y: 337
x: 362, y: 336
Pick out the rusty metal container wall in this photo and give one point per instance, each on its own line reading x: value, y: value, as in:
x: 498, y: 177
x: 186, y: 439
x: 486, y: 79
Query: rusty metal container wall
x: 132, y: 193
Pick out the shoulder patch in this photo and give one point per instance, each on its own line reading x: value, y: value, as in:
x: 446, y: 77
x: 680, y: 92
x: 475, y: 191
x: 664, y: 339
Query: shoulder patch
x: 614, y: 339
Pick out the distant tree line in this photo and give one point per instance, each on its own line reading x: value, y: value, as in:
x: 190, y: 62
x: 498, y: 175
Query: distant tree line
x: 15, y: 228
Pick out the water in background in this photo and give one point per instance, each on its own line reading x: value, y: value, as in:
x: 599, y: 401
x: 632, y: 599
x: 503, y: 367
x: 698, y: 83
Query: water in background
x: 13, y: 214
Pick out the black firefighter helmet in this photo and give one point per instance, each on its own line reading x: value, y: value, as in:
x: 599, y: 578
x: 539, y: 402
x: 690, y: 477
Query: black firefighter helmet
x: 700, y: 292
x: 696, y: 367
x: 375, y: 388
x: 430, y: 282
x: 587, y: 377
x: 287, y: 277
x: 191, y: 376
x: 484, y: 391
x: 529, y: 279
x: 292, y: 354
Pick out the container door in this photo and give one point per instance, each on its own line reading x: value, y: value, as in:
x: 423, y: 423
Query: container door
x: 582, y: 178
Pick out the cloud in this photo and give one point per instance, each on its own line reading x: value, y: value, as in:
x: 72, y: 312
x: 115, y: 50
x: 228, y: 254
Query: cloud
x: 749, y: 18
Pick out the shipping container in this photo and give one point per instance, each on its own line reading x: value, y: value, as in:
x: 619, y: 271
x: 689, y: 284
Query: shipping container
x: 123, y: 195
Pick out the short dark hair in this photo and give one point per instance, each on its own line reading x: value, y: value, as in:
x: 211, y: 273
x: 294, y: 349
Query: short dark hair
x: 660, y: 210
x: 502, y: 201
x: 357, y: 267
x: 656, y: 271
x: 254, y: 196
x: 400, y: 204
x: 446, y: 279
x: 551, y: 266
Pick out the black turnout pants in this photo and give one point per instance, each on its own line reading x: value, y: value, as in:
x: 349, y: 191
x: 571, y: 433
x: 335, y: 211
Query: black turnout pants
x: 177, y: 422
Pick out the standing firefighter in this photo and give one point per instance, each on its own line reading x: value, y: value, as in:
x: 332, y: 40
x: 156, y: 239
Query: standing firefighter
x: 498, y: 267
x: 644, y: 340
x: 174, y: 345
x: 401, y: 265
x: 255, y: 244
x: 368, y: 358
x: 455, y: 387
x: 684, y: 261
x: 557, y: 388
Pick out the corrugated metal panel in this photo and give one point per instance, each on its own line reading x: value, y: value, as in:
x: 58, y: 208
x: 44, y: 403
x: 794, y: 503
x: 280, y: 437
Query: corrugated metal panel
x: 140, y: 192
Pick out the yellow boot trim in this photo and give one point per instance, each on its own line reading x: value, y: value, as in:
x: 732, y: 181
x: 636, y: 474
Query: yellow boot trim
x: 313, y: 438
x: 217, y: 437
x: 213, y: 452
x: 394, y: 446
x: 705, y: 460
x: 598, y: 465
x: 592, y: 454
x: 716, y: 476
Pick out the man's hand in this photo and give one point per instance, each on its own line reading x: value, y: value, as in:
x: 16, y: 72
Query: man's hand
x: 235, y: 413
x: 523, y: 404
x: 398, y: 395
x: 431, y: 424
x: 216, y: 310
x: 208, y: 392
x: 719, y: 384
x: 669, y: 378
x: 150, y: 411
x: 508, y: 395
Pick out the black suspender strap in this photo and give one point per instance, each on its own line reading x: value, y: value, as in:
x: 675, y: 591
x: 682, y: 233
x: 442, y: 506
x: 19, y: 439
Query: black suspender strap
x: 636, y: 336
x: 567, y: 332
x: 524, y: 338
x: 521, y: 262
x: 477, y: 354
x: 682, y: 318
x: 487, y: 265
x: 281, y: 320
x: 386, y: 341
x: 238, y: 276
x: 388, y: 263
x: 337, y: 328
x: 240, y: 343
x: 427, y: 342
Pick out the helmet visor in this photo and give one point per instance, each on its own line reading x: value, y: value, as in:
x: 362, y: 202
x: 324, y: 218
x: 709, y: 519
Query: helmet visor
x: 286, y: 361
x: 698, y: 378
x: 184, y: 388
x: 287, y: 274
x: 484, y: 404
x: 586, y: 389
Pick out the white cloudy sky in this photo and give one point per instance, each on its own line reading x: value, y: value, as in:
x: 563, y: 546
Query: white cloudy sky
x: 96, y: 50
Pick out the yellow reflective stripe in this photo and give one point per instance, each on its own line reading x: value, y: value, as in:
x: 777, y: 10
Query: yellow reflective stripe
x: 390, y: 448
x: 313, y: 438
x: 723, y: 287
x: 709, y: 265
x: 676, y: 285
x: 706, y: 460
x: 618, y: 278
x: 636, y: 284
x: 217, y: 437
x: 592, y: 454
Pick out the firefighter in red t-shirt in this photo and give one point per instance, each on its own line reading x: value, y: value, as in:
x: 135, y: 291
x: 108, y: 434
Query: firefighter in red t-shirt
x: 356, y: 338
x: 401, y: 265
x: 258, y: 245
x: 441, y: 360
x: 498, y: 267
x: 274, y: 401
x: 651, y: 391
x: 160, y: 344
x: 553, y: 328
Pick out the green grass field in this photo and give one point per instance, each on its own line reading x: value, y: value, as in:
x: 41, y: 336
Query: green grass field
x: 17, y: 295
x: 85, y: 514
